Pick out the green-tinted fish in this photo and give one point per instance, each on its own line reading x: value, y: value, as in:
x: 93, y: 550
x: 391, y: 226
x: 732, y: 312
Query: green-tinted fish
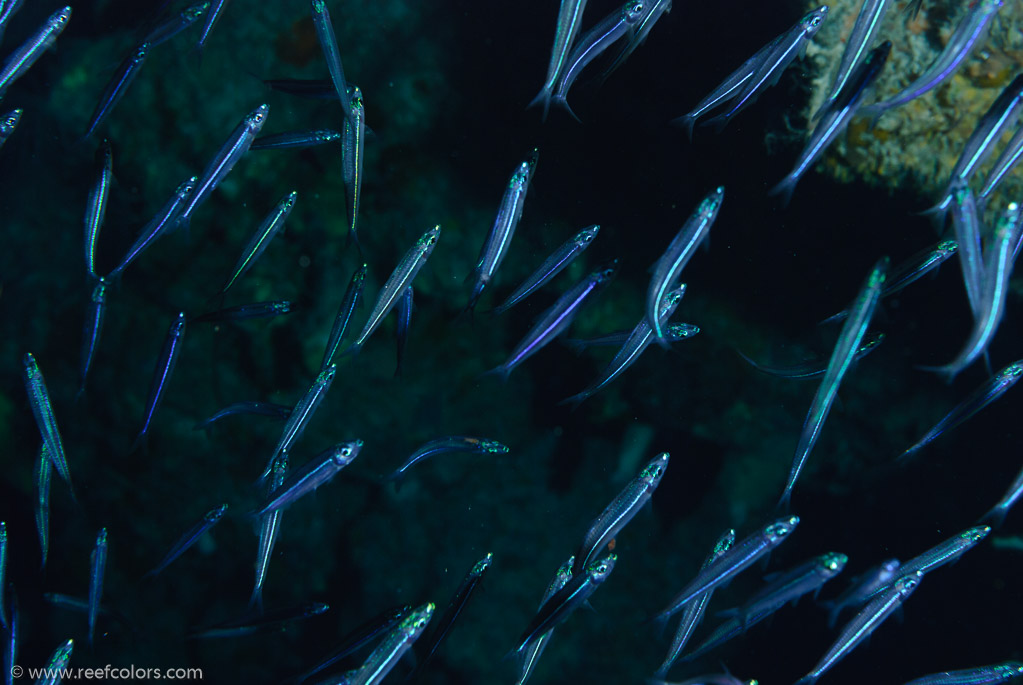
x: 400, y: 278
x: 273, y: 223
x: 392, y: 648
x: 56, y: 664
x: 39, y: 400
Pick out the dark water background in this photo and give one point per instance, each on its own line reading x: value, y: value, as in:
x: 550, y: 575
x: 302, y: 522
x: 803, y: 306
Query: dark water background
x: 446, y: 86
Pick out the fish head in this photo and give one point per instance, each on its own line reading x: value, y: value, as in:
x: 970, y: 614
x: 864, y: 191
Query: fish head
x: 831, y: 564
x: 59, y: 20
x: 1010, y: 669
x: 633, y: 11
x: 429, y: 239
x: 947, y: 247
x: 195, y: 11
x: 599, y: 570
x: 1012, y: 371
x: 492, y: 447
x: 888, y: 569
x: 344, y: 453
x: 214, y: 515
x: 140, y: 54
x: 327, y: 375
x: 186, y: 188
x: 415, y: 623
x: 605, y: 273
x: 683, y: 330
x: 288, y: 201
x: 974, y: 535
x: 256, y: 118
x: 586, y: 236
x: 780, y: 529
x: 812, y: 21
x: 710, y: 205
x: 482, y: 565
x: 906, y: 584
x: 177, y: 328
x: 654, y: 471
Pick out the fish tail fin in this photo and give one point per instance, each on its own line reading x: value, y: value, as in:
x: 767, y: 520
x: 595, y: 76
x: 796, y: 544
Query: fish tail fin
x: 995, y: 517
x: 503, y: 371
x: 542, y: 98
x: 686, y: 121
x: 574, y: 401
x: 562, y: 102
x: 785, y: 189
x: 256, y: 600
x: 947, y: 372
x: 785, y: 501
x: 719, y: 122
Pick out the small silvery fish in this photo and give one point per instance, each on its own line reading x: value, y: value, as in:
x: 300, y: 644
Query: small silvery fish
x: 393, y: 647
x: 999, y: 118
x: 652, y: 11
x: 42, y: 410
x: 694, y: 611
x: 302, y: 413
x: 674, y: 332
x: 994, y: 288
x: 1003, y: 165
x: 96, y: 206
x: 19, y: 61
x: 358, y: 638
x: 243, y: 312
x: 566, y: 600
x: 968, y: 34
x: 997, y: 513
x: 353, y: 145
x: 910, y: 271
x: 117, y: 86
x: 257, y: 244
x: 428, y: 645
x: 945, y: 552
x: 213, y: 15
x: 727, y: 89
x: 97, y: 570
x: 864, y: 31
x: 331, y: 52
x: 786, y: 48
x: 164, y: 220
x: 668, y: 269
x: 865, y: 623
x: 277, y: 411
x: 863, y: 587
x: 191, y: 536
x: 400, y: 278
x: 981, y: 675
x: 269, y: 529
x: 314, y: 473
x: 532, y: 653
x: 454, y: 443
x: 9, y: 122
x: 495, y: 249
x: 7, y: 10
x: 295, y: 140
x: 594, y: 42
x: 251, y: 623
x: 91, y: 329
x: 980, y: 398
x: 787, y: 587
x: 161, y: 374
x: 570, y: 17
x: 42, y: 475
x: 835, y: 119
x: 813, y: 368
x: 619, y: 512
x: 791, y: 585
x: 227, y: 156
x: 344, y: 314
x: 56, y: 665
x: 3, y: 575
x: 731, y: 563
x: 171, y: 27
x: 842, y: 357
x: 556, y: 318
x: 551, y: 267
x: 634, y: 346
